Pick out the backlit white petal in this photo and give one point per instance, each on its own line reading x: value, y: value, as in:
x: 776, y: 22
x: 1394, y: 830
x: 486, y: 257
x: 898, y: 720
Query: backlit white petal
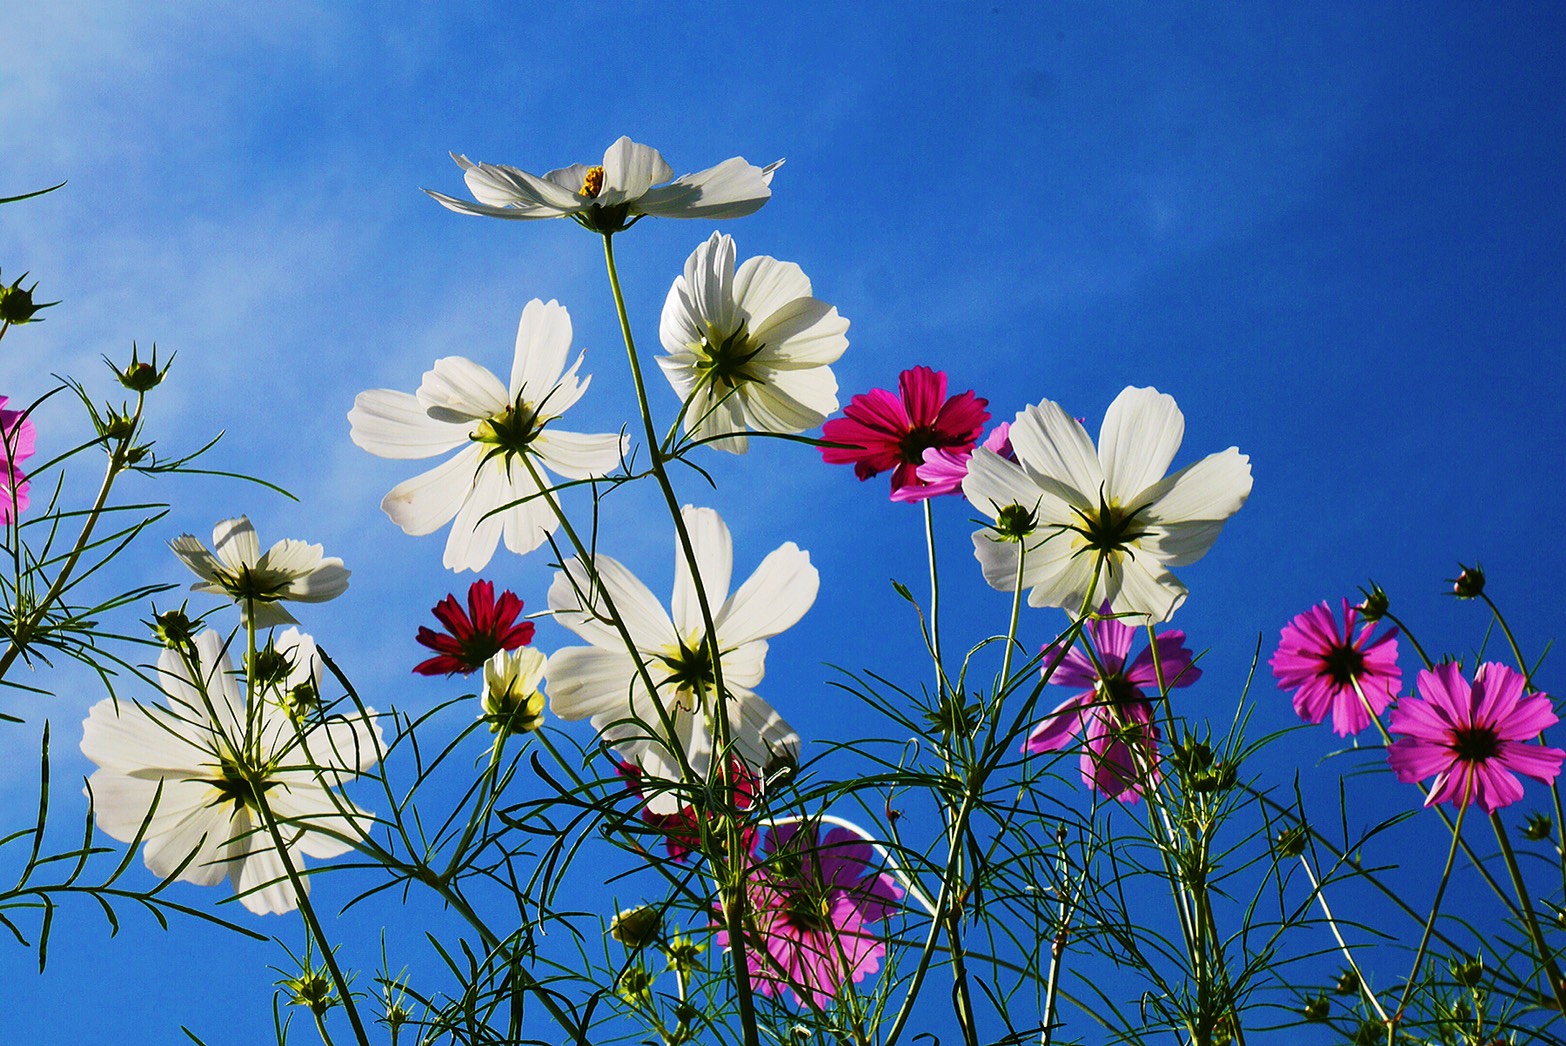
x: 394, y: 425
x: 1141, y: 433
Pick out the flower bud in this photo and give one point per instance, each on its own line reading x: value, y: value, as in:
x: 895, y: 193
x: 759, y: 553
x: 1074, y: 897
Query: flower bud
x: 1347, y: 983
x: 1467, y: 972
x: 140, y: 375
x: 116, y: 426
x: 16, y: 302
x: 635, y: 985
x: 172, y: 628
x: 1291, y: 841
x: 1015, y: 522
x: 1469, y: 582
x: 1374, y: 606
x: 636, y: 927
x: 1317, y: 1009
x: 1191, y: 756
x: 312, y: 989
x: 1537, y: 827
x: 513, y: 701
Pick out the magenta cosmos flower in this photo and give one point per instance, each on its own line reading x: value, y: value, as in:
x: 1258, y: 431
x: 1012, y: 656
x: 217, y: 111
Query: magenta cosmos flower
x: 812, y: 901
x: 1113, y: 713
x: 472, y: 638
x: 17, y: 438
x: 886, y: 431
x: 1321, y: 662
x: 1474, y: 737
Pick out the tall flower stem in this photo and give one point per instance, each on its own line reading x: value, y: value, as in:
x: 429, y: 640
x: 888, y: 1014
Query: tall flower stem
x: 941, y: 686
x: 1552, y: 970
x: 1555, y: 784
x: 481, y: 809
x: 1424, y: 938
x: 734, y: 871
x: 1348, y: 955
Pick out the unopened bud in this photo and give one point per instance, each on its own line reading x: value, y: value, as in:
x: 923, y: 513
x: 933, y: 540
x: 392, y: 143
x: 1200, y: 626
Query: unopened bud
x: 1469, y: 582
x: 1537, y: 827
x: 1317, y: 1009
x: 16, y: 302
x: 1467, y: 972
x: 1291, y: 841
x: 172, y: 628
x: 312, y: 989
x: 1374, y: 606
x: 1347, y: 983
x: 636, y: 927
x: 140, y: 375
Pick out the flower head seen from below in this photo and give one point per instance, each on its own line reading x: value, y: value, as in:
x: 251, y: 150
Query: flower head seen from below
x: 514, y: 691
x: 1328, y: 667
x: 616, y: 193
x: 504, y: 438
x: 190, y: 775
x: 1473, y: 738
x: 260, y: 582
x: 1104, y: 521
x: 1113, y: 714
x: 944, y: 468
x: 813, y: 900
x: 883, y: 430
x: 18, y: 440
x: 749, y: 349
x: 472, y: 637
x: 663, y: 732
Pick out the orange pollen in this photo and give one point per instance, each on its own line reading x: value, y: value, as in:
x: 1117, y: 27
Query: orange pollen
x: 592, y: 182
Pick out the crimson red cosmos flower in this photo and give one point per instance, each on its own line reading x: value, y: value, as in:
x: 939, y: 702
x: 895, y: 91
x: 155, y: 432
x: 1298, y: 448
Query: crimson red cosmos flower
x: 885, y: 431
x: 488, y: 627
x: 682, y: 830
x: 1474, y: 737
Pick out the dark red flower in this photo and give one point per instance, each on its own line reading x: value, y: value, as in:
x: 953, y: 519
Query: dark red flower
x: 488, y: 627
x: 682, y: 831
x: 887, y: 431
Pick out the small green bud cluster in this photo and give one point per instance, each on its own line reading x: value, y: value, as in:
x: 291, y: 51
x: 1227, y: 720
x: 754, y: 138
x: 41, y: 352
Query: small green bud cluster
x: 16, y: 302
x: 1317, y: 1009
x: 953, y: 717
x: 1467, y: 972
x: 636, y: 927
x: 311, y: 989
x: 173, y: 628
x: 1291, y: 843
x: 141, y: 375
x: 1347, y: 983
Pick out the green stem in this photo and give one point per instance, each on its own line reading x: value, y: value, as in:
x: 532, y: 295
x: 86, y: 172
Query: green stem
x: 320, y: 1026
x: 1536, y: 935
x: 732, y: 868
x: 1435, y: 909
x: 481, y: 809
x: 1321, y: 899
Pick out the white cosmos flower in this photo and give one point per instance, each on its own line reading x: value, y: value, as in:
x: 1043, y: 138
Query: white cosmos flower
x: 259, y: 581
x: 601, y: 681
x: 1072, y: 505
x: 749, y: 349
x: 462, y: 405
x: 198, y: 762
x: 609, y: 196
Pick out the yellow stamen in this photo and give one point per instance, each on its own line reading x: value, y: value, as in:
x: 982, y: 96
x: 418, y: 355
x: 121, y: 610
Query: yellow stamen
x: 592, y: 182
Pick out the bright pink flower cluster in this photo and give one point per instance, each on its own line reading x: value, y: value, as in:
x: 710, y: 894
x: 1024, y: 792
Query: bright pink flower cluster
x: 1322, y: 664
x: 886, y: 431
x: 472, y: 638
x: 17, y: 443
x: 812, y: 903
x: 1113, y: 715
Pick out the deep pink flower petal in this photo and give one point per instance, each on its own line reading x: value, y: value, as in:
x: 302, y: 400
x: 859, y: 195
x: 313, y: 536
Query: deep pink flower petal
x: 1055, y: 731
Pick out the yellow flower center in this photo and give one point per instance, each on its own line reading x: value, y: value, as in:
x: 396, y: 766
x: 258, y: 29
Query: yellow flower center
x: 592, y: 183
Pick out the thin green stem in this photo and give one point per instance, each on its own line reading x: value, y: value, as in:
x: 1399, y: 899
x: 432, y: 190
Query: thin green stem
x: 481, y: 809
x: 1016, y: 614
x: 320, y: 1026
x: 1348, y: 955
x: 1547, y: 961
x: 1435, y: 909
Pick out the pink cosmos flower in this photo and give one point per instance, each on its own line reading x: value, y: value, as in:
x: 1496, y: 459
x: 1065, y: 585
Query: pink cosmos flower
x: 887, y: 431
x: 17, y: 442
x: 488, y: 627
x: 812, y: 901
x: 1114, y: 713
x: 943, y: 469
x: 1321, y: 663
x: 1475, y: 738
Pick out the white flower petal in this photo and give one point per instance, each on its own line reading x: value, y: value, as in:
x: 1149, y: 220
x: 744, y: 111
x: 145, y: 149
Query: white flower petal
x: 763, y: 285
x: 805, y: 332
x: 474, y: 532
x: 1211, y: 489
x: 459, y: 391
x: 732, y: 189
x: 582, y: 608
x: 581, y: 456
x: 587, y: 681
x: 1141, y: 585
x: 543, y: 343
x: 235, y: 545
x: 1054, y: 444
x: 772, y: 599
x: 394, y: 425
x: 1142, y: 431
x: 630, y: 169
x: 425, y: 503
x: 501, y: 186
x: 714, y: 549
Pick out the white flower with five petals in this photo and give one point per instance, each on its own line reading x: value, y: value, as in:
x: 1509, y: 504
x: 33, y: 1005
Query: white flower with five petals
x: 190, y: 770
x: 612, y: 195
x: 260, y: 581
x: 601, y: 681
x: 1111, y: 511
x: 749, y: 348
x: 487, y: 485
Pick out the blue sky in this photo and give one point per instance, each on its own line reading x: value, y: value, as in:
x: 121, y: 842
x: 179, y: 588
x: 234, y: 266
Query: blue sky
x: 1336, y: 235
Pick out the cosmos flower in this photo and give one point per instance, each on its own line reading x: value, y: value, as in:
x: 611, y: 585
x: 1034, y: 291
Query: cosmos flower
x: 17, y: 443
x: 1475, y: 738
x: 513, y: 691
x: 812, y: 903
x: 259, y: 582
x: 1113, y: 713
x: 1321, y: 663
x: 602, y: 682
x: 473, y: 637
x: 748, y: 349
x: 199, y: 761
x: 944, y: 468
x: 486, y: 485
x: 1109, y: 512
x: 886, y: 431
x: 612, y: 195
